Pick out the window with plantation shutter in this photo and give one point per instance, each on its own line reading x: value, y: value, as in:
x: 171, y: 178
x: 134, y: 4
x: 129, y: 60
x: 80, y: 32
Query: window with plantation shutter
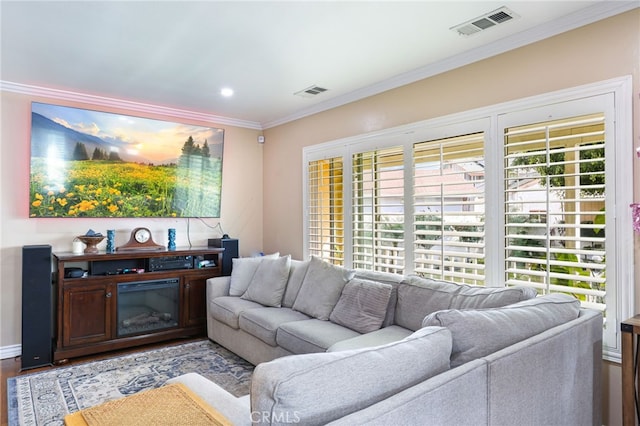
x: 325, y: 210
x: 555, y: 188
x: 533, y: 192
x: 378, y: 210
x: 448, y: 209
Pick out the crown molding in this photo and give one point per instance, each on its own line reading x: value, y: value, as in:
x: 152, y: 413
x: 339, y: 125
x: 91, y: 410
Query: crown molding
x: 58, y: 94
x: 581, y: 18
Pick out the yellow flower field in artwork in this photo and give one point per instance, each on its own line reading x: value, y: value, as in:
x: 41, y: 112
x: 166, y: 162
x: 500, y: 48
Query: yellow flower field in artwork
x: 118, y: 189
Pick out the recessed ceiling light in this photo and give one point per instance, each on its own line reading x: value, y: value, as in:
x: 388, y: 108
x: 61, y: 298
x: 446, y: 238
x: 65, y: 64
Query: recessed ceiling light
x: 226, y: 92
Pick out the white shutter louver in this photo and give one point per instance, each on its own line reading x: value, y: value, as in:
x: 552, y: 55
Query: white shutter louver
x: 325, y: 210
x: 449, y: 209
x: 378, y: 210
x: 555, y: 207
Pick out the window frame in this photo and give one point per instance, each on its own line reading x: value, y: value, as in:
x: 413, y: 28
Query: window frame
x: 382, y: 163
x: 316, y: 209
x: 491, y: 120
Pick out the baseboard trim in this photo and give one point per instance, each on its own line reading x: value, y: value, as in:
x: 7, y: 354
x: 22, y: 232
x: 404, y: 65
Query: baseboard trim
x: 10, y: 351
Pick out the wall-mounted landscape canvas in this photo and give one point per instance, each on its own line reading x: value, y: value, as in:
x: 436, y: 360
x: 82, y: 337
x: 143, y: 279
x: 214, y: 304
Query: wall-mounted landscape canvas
x: 94, y: 164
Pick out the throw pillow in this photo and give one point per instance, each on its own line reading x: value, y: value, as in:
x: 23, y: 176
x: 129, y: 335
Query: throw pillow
x: 269, y: 282
x: 321, y: 288
x: 478, y: 333
x: 296, y: 276
x: 362, y: 305
x: 321, y: 387
x: 393, y: 280
x: 242, y: 271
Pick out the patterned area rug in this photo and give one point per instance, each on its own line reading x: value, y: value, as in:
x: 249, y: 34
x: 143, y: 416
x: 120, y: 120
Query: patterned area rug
x: 45, y: 398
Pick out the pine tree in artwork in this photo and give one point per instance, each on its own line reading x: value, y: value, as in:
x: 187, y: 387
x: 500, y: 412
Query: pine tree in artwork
x: 98, y: 154
x: 80, y: 152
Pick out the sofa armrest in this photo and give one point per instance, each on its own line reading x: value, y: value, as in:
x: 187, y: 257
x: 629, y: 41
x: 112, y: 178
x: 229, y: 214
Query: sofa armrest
x: 575, y: 373
x: 218, y: 287
x: 236, y: 410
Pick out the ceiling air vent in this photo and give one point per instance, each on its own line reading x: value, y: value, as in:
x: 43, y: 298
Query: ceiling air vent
x: 311, y: 91
x: 485, y: 21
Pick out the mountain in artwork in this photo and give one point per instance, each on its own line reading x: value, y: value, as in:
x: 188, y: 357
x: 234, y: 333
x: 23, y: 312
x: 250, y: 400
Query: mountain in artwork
x: 50, y: 139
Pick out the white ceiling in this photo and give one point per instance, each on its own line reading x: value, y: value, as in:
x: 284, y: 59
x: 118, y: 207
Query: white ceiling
x: 179, y: 54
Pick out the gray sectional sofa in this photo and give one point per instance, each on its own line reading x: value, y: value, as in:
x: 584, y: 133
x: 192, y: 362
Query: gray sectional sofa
x: 334, y: 346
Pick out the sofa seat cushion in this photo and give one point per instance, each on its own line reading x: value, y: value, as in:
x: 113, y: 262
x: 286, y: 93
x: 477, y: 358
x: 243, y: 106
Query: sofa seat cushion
x: 227, y: 309
x: 320, y: 388
x: 263, y: 323
x: 418, y: 297
x: 477, y: 333
x: 386, y: 335
x: 313, y: 335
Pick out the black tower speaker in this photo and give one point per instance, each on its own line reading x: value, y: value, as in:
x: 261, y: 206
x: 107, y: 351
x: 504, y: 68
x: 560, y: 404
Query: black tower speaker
x: 230, y: 246
x: 37, y: 307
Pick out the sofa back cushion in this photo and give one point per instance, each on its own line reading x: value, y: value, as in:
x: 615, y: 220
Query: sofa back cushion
x: 418, y: 297
x: 475, y: 297
x: 242, y: 272
x: 314, y: 389
x: 269, y: 281
x: 321, y: 288
x: 362, y: 305
x: 297, y: 272
x: 477, y: 333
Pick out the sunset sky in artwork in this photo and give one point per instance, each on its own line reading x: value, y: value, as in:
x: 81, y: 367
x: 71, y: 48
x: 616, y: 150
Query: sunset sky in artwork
x: 154, y: 140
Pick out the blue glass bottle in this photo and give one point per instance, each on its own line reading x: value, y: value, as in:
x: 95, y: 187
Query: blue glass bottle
x: 172, y: 239
x: 111, y: 241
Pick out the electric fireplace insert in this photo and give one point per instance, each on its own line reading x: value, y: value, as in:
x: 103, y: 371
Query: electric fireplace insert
x: 145, y: 306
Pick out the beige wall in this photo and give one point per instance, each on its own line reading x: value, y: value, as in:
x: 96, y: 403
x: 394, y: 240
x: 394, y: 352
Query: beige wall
x: 600, y: 51
x: 241, y: 204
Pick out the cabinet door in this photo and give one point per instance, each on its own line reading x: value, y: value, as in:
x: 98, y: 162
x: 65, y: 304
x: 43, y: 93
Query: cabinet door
x: 195, y: 303
x: 87, y: 314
